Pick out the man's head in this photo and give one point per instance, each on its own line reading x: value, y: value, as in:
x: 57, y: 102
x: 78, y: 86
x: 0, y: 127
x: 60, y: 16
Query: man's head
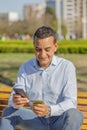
x: 44, y: 32
x: 45, y: 43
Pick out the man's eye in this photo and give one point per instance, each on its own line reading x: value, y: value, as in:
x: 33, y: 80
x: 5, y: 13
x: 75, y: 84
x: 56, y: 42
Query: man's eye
x: 37, y: 49
x: 48, y: 49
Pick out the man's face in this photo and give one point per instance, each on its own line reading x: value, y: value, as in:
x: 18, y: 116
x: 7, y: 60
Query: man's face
x: 44, y: 50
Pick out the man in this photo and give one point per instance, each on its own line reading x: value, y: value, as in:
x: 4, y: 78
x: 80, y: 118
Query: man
x: 47, y: 78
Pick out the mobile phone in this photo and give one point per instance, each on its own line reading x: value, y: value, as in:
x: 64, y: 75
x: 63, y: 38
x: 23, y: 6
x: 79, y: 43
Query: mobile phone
x: 37, y: 101
x: 20, y: 92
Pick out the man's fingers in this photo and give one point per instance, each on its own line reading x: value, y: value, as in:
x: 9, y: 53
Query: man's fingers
x: 40, y: 109
x: 19, y: 101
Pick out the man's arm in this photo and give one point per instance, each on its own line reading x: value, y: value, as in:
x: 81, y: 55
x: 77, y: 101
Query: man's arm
x: 69, y: 93
x: 20, y: 83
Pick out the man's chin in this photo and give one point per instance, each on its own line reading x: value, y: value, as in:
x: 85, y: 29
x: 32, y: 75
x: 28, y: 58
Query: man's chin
x: 44, y: 64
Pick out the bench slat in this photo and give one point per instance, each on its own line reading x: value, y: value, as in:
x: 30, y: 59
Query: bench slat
x: 85, y: 121
x: 84, y: 127
x: 82, y: 94
x: 85, y: 114
x: 3, y: 95
x: 3, y: 101
x: 82, y: 101
x: 5, y: 89
x: 2, y: 107
x: 82, y: 108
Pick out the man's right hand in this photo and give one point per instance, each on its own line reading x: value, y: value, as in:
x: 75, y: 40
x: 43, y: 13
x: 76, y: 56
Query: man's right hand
x: 19, y: 101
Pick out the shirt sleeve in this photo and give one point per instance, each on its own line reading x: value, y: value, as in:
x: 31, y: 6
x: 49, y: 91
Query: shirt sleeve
x: 20, y: 83
x: 69, y: 94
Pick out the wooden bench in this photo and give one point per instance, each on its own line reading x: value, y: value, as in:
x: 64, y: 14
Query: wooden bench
x: 82, y: 103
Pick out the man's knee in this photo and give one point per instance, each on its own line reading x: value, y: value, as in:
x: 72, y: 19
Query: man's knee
x: 8, y: 111
x: 74, y: 115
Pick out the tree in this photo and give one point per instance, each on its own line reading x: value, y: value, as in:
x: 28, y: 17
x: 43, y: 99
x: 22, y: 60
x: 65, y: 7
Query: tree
x: 50, y: 18
x: 64, y: 30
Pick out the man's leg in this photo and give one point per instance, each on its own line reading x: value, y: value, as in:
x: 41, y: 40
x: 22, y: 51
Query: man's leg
x: 7, y: 120
x: 22, y: 117
x: 71, y: 120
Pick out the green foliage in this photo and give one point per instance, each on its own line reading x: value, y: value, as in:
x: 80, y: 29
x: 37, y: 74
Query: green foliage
x: 54, y: 25
x: 50, y: 11
x: 20, y: 27
x: 16, y: 46
x: 50, y: 14
x: 74, y: 46
x: 64, y: 29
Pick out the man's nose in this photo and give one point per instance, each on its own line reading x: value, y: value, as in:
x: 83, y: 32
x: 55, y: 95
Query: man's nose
x: 43, y: 53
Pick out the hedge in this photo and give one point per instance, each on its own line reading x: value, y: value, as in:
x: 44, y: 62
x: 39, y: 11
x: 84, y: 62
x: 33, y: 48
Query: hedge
x: 73, y: 46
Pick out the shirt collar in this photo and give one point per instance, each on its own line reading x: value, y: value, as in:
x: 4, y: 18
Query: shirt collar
x: 54, y: 61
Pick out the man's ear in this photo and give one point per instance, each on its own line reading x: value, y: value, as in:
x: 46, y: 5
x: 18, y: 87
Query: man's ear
x: 56, y: 46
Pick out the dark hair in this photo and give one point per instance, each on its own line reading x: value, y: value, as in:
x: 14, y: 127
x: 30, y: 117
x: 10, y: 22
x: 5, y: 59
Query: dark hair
x: 44, y: 32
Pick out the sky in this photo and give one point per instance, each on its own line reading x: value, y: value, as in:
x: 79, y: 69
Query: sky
x: 16, y: 5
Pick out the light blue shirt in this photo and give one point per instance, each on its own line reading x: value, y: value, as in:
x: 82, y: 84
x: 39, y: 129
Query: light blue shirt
x: 56, y: 85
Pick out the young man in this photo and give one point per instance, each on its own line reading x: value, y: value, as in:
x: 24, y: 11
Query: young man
x: 47, y: 78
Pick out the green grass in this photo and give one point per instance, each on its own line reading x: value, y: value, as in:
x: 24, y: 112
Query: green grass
x: 80, y: 62
x: 10, y: 63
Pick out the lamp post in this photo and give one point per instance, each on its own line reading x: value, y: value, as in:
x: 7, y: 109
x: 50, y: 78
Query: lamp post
x: 58, y: 15
x: 84, y: 19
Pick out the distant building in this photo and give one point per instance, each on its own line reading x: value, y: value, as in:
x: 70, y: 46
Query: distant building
x: 13, y: 16
x: 39, y: 11
x: 84, y: 19
x: 30, y: 11
x: 69, y: 15
x: 74, y: 15
x: 10, y: 17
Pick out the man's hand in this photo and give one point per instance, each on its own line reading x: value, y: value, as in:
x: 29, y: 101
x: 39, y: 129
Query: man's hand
x: 40, y: 109
x: 19, y: 101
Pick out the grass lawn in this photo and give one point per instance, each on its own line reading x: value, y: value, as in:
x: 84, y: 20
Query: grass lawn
x: 10, y: 62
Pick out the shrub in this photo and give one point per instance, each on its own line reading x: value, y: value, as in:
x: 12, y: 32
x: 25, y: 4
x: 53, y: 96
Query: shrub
x: 77, y: 46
